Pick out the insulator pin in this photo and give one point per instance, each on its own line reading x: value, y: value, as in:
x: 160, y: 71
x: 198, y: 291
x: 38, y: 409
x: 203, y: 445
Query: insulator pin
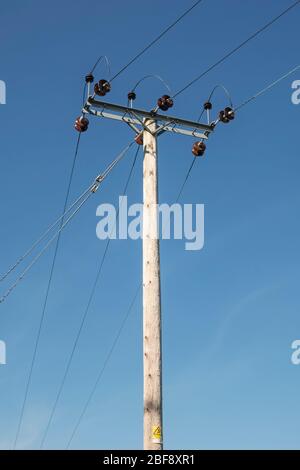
x: 131, y: 96
x: 207, y: 105
x: 89, y: 78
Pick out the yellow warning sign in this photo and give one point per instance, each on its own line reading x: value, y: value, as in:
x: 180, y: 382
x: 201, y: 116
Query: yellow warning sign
x: 156, y: 433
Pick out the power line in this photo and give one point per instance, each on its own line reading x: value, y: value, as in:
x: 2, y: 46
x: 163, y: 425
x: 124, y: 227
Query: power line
x: 106, y: 361
x: 40, y: 327
x: 100, y: 178
x: 165, y: 31
x: 97, y: 182
x: 65, y: 211
x: 267, y: 88
x: 220, y: 61
x: 102, y: 57
x: 186, y: 178
x: 51, y: 227
x: 44, y: 235
x: 42, y: 251
x: 93, y: 290
x: 157, y: 77
x: 47, y: 291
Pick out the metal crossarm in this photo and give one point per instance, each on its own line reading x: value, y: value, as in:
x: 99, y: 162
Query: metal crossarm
x: 136, y: 118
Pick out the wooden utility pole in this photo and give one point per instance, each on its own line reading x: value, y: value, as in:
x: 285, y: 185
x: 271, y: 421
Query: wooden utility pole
x: 150, y: 125
x: 151, y: 295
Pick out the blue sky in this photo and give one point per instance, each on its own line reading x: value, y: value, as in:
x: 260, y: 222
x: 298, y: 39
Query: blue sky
x: 231, y: 310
